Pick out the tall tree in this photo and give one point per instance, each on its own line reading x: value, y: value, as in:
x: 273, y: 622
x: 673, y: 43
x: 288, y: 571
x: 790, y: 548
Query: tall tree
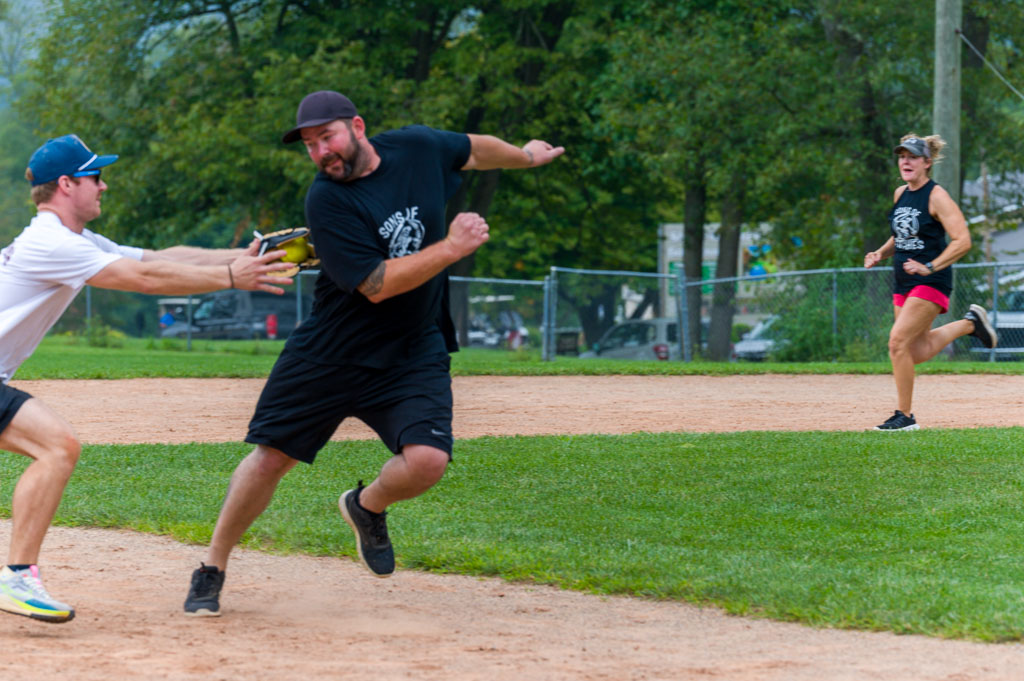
x: 21, y: 22
x: 665, y: 110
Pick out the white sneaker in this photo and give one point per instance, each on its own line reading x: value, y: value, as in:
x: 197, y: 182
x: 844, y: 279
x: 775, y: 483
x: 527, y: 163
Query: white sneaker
x: 23, y: 593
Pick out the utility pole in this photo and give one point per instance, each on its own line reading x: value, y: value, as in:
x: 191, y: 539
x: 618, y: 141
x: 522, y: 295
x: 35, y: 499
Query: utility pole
x: 946, y: 97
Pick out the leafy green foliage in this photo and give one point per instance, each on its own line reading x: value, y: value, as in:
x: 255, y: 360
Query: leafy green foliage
x: 805, y: 330
x: 99, y: 335
x: 20, y: 23
x: 783, y: 111
x: 205, y: 90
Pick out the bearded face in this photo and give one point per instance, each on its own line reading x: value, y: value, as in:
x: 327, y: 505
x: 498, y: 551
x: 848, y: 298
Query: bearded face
x: 336, y: 150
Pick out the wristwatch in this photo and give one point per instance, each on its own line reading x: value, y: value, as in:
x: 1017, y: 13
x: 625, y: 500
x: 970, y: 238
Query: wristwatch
x: 930, y: 266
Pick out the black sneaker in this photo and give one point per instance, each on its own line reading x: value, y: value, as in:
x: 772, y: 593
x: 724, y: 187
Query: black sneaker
x: 898, y: 421
x: 371, y: 530
x: 204, y: 593
x: 983, y: 331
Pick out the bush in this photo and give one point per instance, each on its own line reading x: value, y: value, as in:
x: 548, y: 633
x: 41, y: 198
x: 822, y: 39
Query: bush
x: 99, y: 335
x: 806, y: 331
x: 738, y: 330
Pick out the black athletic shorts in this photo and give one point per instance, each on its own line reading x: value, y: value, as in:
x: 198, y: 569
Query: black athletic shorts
x: 11, y: 400
x: 303, y: 403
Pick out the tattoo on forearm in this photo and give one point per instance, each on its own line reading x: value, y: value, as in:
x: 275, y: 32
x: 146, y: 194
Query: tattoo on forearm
x: 372, y: 285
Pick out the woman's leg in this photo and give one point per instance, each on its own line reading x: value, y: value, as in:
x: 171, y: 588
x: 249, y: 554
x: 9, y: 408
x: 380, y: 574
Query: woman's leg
x: 910, y: 342
x: 932, y: 343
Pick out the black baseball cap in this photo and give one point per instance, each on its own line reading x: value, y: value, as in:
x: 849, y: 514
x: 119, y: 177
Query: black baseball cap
x: 916, y: 146
x: 318, y: 108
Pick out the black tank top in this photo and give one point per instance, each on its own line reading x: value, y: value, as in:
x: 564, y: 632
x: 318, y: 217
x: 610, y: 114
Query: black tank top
x: 919, y: 236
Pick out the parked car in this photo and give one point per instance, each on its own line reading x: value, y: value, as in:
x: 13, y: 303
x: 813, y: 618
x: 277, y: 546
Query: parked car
x: 235, y: 314
x: 512, y: 328
x: 639, y: 339
x: 481, y: 332
x: 757, y: 343
x: 510, y: 332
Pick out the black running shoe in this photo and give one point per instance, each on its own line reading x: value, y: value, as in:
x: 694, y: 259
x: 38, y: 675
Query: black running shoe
x: 898, y: 421
x: 204, y: 593
x: 983, y: 331
x: 371, y: 530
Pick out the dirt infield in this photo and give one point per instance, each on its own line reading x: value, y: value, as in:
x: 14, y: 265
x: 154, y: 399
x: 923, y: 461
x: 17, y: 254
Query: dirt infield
x: 301, y: 618
x: 218, y: 410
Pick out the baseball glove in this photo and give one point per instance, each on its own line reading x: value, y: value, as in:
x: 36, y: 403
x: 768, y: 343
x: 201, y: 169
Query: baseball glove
x: 300, y: 251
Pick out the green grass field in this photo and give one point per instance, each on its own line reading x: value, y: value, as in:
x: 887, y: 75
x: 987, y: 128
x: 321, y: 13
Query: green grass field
x: 919, y: 532
x: 61, y: 357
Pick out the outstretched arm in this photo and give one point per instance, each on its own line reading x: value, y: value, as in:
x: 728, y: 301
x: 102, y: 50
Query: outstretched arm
x: 199, y: 256
x: 487, y: 152
x: 175, y: 278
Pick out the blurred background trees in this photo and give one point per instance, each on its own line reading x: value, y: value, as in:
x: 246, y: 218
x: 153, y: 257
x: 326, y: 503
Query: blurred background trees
x: 741, y: 113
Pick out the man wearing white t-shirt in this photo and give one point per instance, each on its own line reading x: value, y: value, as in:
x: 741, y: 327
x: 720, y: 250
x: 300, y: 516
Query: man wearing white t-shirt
x: 41, y: 271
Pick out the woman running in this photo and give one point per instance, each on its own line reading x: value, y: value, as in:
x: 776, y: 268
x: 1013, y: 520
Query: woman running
x: 922, y: 216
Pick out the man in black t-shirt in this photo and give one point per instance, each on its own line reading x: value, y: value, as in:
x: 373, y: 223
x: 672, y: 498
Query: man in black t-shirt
x: 376, y: 344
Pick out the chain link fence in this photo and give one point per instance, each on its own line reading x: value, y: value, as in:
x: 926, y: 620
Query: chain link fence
x: 841, y: 314
x: 104, y: 315
x: 498, y: 314
x: 816, y: 315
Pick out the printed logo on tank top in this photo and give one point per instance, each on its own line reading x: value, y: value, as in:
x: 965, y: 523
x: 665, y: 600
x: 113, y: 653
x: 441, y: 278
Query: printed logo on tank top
x: 404, y: 232
x: 906, y: 227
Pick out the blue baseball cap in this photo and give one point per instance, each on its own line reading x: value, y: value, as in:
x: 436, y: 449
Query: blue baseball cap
x: 65, y: 155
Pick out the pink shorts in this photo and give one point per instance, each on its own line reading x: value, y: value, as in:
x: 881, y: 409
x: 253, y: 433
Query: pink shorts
x: 926, y: 293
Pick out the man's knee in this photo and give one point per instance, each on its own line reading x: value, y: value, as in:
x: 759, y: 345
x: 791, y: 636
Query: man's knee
x: 39, y: 433
x: 61, y: 451
x: 425, y: 462
x: 271, y: 462
x: 68, y: 449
